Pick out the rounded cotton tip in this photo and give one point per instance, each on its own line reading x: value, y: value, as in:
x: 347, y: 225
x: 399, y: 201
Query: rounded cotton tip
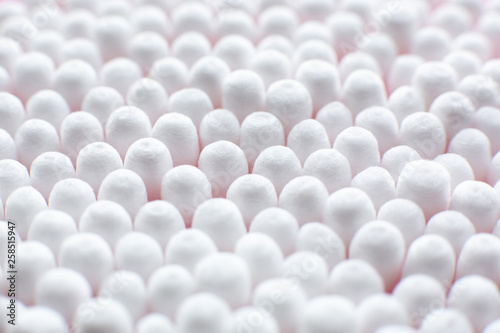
x: 219, y: 125
x: 21, y: 206
x: 147, y: 47
x: 317, y: 318
x: 434, y: 78
x: 379, y: 310
x: 307, y: 137
x: 120, y: 74
x: 101, y: 101
x: 424, y: 132
x: 35, y: 137
x: 474, y: 146
x: 113, y: 317
x: 48, y: 105
x: 171, y: 73
x: 51, y: 227
x: 214, y: 316
x: 79, y: 129
x: 363, y: 89
x: 48, y: 169
x: 187, y: 247
x: 236, y: 51
x: 208, y: 74
x: 382, y: 123
x: 32, y: 72
x: 149, y: 96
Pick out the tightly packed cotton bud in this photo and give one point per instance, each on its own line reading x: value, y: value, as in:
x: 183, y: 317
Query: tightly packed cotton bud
x: 492, y: 327
x: 469, y: 293
x: 72, y: 196
x: 202, y: 310
x: 219, y: 125
x: 481, y: 90
x: 192, y: 16
x: 138, y: 252
x: 420, y: 294
x: 48, y: 169
x: 383, y: 49
x: 363, y: 89
x: 63, y: 290
x: 292, y: 302
x: 152, y: 322
x: 112, y: 33
x: 402, y: 70
x: 221, y: 220
x: 188, y: 247
x: 129, y: 289
x: 488, y: 26
x: 251, y: 318
x: 490, y: 69
x: 396, y: 329
x: 271, y: 66
x: 262, y: 255
x: 474, y: 146
x: 51, y: 227
x: 252, y: 193
x: 317, y: 315
x: 433, y: 79
x: 280, y: 225
x: 40, y: 319
x: 88, y: 254
x: 208, y: 74
x: 279, y: 164
x: 464, y: 62
x: 147, y: 17
x: 278, y: 20
x: 106, y: 219
x: 382, y: 123
x: 404, y: 101
x: 312, y: 30
x: 488, y: 121
x: 79, y: 24
x: 480, y: 255
x: 147, y: 47
x: 475, y: 42
x: 235, y: 22
x: 277, y: 43
x: 395, y: 159
x: 494, y: 170
x: 243, y: 93
x: 33, y: 72
x: 346, y: 27
x: 379, y: 310
x: 347, y: 210
x: 5, y: 80
x: 259, y: 131
x: 432, y: 43
x: 171, y: 73
x: 21, y: 207
x: 358, y: 60
x: 149, y: 96
x: 307, y: 137
x: 236, y: 51
x: 425, y: 133
x: 329, y: 166
x: 33, y: 138
x: 10, y: 52
x: 83, y: 49
x: 359, y: 146
x: 168, y: 286
x: 101, y: 101
x: 308, y: 270
x: 335, y: 117
x: 48, y: 105
x: 120, y: 74
x: 458, y: 168
x: 190, y: 47
x: 102, y: 314
x: 446, y: 321
x: 78, y: 130
x: 73, y: 79
x: 50, y: 43
x: 313, y: 50
x: 377, y: 183
x: 12, y: 176
x: 179, y: 134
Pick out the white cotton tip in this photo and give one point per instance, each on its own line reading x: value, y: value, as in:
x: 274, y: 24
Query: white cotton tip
x: 471, y: 292
x: 154, y: 322
x: 40, y: 319
x: 380, y: 310
x: 396, y: 329
x: 432, y: 43
x: 406, y: 215
x: 235, y: 22
x: 383, y: 49
x: 10, y: 52
x: 21, y: 207
x: 252, y: 194
x: 458, y: 168
x: 112, y: 33
x: 179, y: 134
x: 33, y: 259
x: 208, y: 74
x: 355, y: 279
x: 79, y: 23
x: 48, y: 105
x: 288, y: 310
x: 12, y: 176
x: 490, y: 69
x: 32, y: 72
x: 330, y: 167
x: 378, y: 183
x: 101, y: 102
x: 314, y: 10
x: 359, y: 146
x: 346, y: 27
x: 488, y: 27
x: 63, y: 290
x: 395, y: 159
x: 226, y: 275
x: 335, y: 117
x: 243, y: 92
x: 402, y: 70
x: 125, y: 126
x: 271, y: 66
x: 203, y: 312
x: 307, y: 137
x: 382, y: 123
x: 260, y: 130
x: 190, y: 47
x: 363, y: 89
x: 481, y: 90
x: 188, y: 247
x: 425, y: 133
x: 51, y: 227
x: 383, y: 246
x: 308, y: 270
x: 492, y: 327
x: 251, y: 318
x: 138, y: 252
x: 171, y: 73
x: 167, y: 288
x: 160, y: 220
x: 50, y: 43
x: 79, y: 129
x: 120, y: 74
x: 262, y: 255
x: 278, y: 20
x: 129, y: 289
x: 35, y: 137
x: 192, y: 16
x: 280, y: 225
x: 433, y: 79
x: 236, y: 51
x: 5, y: 79
x: 221, y: 220
x: 149, y: 96
x: 72, y: 196
x: 102, y: 314
x: 309, y: 30
x: 126, y: 188
x: 279, y: 164
x: 88, y: 254
x: 147, y: 17
x: 48, y: 169
x: 493, y: 170
x: 432, y: 255
x: 359, y: 7
x: 405, y: 101
x: 277, y: 43
x: 317, y: 315
x: 480, y: 255
x: 186, y: 187
x: 147, y: 47
x: 219, y: 124
x: 73, y: 80
x: 488, y: 121
x: 305, y: 198
x: 150, y: 159
x: 358, y: 60
x: 464, y: 62
x: 106, y: 219
x: 446, y: 320
x: 420, y: 294
x: 474, y: 146
x: 346, y: 210
x: 83, y: 49
x: 313, y: 50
